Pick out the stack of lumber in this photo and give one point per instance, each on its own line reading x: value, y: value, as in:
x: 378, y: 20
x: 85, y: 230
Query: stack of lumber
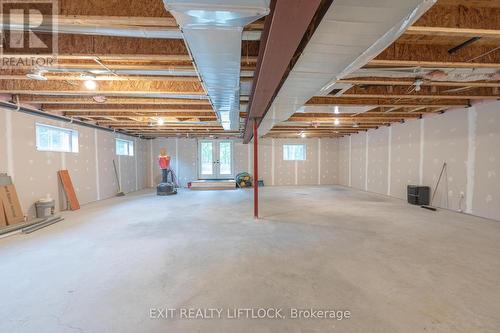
x: 213, y: 185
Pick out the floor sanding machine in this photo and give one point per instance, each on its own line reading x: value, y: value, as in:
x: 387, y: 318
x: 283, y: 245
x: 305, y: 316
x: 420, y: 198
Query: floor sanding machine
x: 168, y: 185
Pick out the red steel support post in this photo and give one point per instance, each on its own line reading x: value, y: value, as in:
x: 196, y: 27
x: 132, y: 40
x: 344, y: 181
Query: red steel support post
x: 255, y: 171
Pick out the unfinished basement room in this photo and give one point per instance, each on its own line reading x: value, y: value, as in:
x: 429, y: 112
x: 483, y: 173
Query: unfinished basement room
x: 250, y: 166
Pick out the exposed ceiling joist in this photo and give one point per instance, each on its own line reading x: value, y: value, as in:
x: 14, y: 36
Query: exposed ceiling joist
x: 155, y: 77
x: 411, y: 81
x: 413, y: 55
x: 425, y: 93
x: 386, y: 102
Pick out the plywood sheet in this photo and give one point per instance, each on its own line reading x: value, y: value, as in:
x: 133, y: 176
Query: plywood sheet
x: 69, y: 189
x: 12, y: 207
x: 3, y: 219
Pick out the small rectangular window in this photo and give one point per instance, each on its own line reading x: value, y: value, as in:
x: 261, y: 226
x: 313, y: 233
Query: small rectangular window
x: 52, y: 138
x: 124, y: 147
x: 294, y: 152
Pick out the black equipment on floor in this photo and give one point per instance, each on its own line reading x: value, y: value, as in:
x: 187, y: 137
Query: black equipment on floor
x: 168, y: 183
x: 418, y: 195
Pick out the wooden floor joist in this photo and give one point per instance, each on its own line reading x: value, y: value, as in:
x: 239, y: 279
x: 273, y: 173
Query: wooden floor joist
x: 140, y: 79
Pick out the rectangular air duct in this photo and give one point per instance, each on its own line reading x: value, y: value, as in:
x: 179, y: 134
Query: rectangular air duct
x: 213, y: 31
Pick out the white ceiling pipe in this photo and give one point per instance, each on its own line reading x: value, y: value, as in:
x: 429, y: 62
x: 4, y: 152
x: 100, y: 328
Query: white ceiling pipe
x: 114, y: 94
x: 213, y: 32
x: 138, y: 71
x: 432, y: 74
x: 103, y: 30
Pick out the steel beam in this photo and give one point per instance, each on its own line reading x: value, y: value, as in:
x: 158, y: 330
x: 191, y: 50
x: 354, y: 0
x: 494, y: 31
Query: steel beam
x: 280, y: 44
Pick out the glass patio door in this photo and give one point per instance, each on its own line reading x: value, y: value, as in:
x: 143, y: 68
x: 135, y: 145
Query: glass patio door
x: 215, y: 159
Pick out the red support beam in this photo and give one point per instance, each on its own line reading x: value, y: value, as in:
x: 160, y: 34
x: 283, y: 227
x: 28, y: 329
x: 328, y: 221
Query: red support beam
x: 287, y: 31
x: 255, y: 171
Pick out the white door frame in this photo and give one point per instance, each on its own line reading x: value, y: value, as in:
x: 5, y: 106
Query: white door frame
x: 215, y: 158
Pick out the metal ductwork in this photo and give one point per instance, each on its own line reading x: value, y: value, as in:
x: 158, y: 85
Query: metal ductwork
x: 352, y: 33
x: 213, y: 32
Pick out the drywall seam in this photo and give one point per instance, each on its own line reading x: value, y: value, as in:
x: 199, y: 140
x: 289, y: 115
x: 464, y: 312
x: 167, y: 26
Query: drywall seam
x: 177, y: 171
x: 152, y: 164
x: 96, y: 155
x: 350, y: 173
x: 366, y: 160
x: 421, y: 162
x: 136, y: 171
x: 471, y: 158
x: 120, y: 180
x: 272, y: 162
x: 389, y: 157
x: 296, y: 173
x: 319, y: 161
x: 9, y: 144
x: 63, y: 161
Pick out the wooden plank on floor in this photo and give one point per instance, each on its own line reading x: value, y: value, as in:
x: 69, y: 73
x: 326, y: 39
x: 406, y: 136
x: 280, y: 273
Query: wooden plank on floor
x: 3, y: 219
x: 11, y: 205
x: 69, y: 190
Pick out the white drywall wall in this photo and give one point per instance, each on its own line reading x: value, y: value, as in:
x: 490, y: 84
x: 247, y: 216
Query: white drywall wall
x: 320, y: 167
x: 405, y: 151
x: 485, y: 199
x: 378, y: 161
x: 358, y: 160
x: 344, y: 160
x: 413, y: 153
x: 91, y: 169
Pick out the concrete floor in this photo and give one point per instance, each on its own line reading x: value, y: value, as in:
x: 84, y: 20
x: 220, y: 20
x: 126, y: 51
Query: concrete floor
x: 395, y: 267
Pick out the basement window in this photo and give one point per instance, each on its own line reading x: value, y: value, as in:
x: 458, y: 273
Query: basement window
x: 52, y: 138
x: 294, y: 152
x: 124, y: 147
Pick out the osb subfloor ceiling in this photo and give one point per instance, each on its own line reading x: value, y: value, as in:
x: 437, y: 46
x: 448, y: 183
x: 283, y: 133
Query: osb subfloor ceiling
x: 149, y: 86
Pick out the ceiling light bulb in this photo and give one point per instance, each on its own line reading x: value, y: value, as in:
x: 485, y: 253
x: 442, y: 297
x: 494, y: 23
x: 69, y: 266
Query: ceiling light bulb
x: 336, y: 122
x: 417, y: 88
x: 302, y: 135
x: 161, y: 121
x: 336, y: 109
x: 90, y: 84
